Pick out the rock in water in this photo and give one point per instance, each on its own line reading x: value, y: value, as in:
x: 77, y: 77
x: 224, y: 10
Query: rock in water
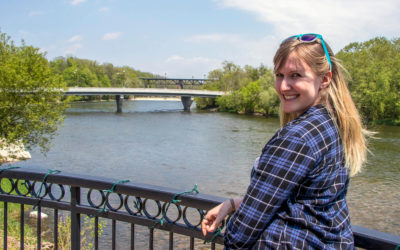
x: 12, y: 152
x: 34, y: 215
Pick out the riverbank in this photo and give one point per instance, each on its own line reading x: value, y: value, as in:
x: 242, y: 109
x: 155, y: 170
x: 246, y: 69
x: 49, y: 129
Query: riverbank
x: 386, y: 122
x: 12, y: 152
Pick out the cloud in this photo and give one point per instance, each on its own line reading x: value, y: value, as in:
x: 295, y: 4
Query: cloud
x: 215, y: 37
x: 179, y: 66
x: 104, y: 9
x: 239, y: 48
x: 35, y: 13
x: 24, y: 33
x: 48, y: 48
x: 76, y: 2
x: 73, y: 48
x: 76, y: 38
x: 341, y: 21
x: 111, y: 35
x: 174, y: 58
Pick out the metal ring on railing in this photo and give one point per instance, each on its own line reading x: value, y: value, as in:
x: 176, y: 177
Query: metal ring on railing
x: 12, y: 186
x: 121, y: 202
x: 136, y: 204
x: 62, y: 192
x: 164, y: 207
x: 27, y: 186
x: 103, y: 198
x: 46, y: 189
x: 187, y: 221
x: 149, y: 215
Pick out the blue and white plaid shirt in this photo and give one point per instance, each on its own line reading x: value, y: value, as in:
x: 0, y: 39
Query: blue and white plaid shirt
x: 296, y: 197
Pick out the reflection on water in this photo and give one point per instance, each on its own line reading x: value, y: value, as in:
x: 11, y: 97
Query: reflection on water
x: 157, y: 143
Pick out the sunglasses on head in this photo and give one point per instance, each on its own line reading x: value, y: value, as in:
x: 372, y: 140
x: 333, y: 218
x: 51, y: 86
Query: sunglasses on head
x: 308, y: 38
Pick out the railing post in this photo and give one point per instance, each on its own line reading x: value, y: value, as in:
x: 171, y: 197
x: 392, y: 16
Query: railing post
x: 39, y: 227
x: 5, y: 225
x: 75, y: 219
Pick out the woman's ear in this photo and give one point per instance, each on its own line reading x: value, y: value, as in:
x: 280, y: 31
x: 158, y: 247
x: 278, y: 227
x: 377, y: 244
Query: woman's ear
x: 326, y: 80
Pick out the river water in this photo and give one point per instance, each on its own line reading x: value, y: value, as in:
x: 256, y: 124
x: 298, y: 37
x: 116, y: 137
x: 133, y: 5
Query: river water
x: 155, y: 142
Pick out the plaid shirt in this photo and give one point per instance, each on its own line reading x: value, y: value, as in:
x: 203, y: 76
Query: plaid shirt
x: 296, y: 197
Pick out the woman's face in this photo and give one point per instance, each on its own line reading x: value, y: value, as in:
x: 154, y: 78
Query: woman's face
x: 297, y: 85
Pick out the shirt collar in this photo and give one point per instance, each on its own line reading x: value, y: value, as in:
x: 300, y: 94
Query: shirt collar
x: 317, y: 109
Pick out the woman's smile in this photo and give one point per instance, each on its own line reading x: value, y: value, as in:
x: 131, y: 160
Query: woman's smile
x: 290, y: 97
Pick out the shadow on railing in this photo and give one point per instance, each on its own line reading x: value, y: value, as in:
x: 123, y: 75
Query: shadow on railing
x: 145, y: 209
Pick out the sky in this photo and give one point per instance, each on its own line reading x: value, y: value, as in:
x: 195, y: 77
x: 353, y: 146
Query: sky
x: 189, y: 38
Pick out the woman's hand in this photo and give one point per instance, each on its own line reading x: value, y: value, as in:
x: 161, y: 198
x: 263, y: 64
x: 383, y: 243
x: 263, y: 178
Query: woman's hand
x: 212, y: 220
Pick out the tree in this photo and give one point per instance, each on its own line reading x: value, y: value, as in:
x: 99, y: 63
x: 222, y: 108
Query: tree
x: 251, y: 90
x: 374, y: 67
x: 31, y: 100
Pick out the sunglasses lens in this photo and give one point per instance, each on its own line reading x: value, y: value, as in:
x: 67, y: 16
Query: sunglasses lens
x: 308, y: 37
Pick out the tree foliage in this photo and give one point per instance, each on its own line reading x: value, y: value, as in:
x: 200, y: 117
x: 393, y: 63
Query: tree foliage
x: 86, y: 73
x: 374, y: 67
x: 252, y: 90
x: 31, y: 104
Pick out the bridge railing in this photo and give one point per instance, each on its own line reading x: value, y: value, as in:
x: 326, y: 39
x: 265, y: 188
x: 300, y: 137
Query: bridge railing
x: 180, y: 83
x: 141, y: 211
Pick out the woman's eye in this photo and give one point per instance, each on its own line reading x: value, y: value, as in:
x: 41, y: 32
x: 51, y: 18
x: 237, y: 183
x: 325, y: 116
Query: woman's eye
x: 296, y: 75
x: 278, y: 75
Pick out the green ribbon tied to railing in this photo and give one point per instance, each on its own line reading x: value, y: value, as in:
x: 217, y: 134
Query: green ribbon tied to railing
x: 215, y: 234
x: 175, y: 201
x: 109, y: 191
x: 37, y: 195
x: 7, y: 168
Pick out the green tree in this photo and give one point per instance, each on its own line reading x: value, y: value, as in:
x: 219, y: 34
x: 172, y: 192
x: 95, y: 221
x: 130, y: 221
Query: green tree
x: 87, y: 73
x: 269, y: 99
x: 250, y: 90
x: 30, y: 96
x: 244, y: 100
x: 374, y: 67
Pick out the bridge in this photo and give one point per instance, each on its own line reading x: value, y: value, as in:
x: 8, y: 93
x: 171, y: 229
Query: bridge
x: 185, y: 94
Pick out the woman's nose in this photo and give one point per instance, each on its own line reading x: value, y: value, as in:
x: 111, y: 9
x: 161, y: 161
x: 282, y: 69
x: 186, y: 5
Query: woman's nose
x: 285, y: 84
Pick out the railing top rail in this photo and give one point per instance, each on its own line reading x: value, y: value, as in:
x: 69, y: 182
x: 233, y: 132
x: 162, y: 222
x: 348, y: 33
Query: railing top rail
x: 202, y: 201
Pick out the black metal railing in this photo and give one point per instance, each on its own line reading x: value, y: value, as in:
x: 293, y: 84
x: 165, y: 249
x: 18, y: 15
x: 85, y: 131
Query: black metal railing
x: 151, y: 208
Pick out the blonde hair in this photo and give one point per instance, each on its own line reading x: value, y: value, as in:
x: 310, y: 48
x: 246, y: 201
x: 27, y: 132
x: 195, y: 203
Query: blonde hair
x: 336, y: 98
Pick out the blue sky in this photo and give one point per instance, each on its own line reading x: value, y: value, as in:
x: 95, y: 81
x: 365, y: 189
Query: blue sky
x: 189, y: 38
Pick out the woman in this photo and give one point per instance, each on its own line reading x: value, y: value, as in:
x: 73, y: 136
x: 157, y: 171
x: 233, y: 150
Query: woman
x: 296, y: 197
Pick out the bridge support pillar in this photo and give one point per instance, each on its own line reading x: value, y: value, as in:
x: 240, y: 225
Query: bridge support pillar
x: 119, y: 99
x: 187, y: 102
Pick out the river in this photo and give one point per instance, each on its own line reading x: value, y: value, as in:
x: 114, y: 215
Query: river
x: 155, y: 142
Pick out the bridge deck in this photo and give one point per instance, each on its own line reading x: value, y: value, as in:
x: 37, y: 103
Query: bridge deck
x: 143, y: 92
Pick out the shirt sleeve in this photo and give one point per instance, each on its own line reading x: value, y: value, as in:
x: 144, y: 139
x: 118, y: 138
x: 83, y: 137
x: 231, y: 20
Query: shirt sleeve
x: 283, y: 165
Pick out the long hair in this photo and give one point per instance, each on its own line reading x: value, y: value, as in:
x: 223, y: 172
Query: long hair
x: 336, y: 98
